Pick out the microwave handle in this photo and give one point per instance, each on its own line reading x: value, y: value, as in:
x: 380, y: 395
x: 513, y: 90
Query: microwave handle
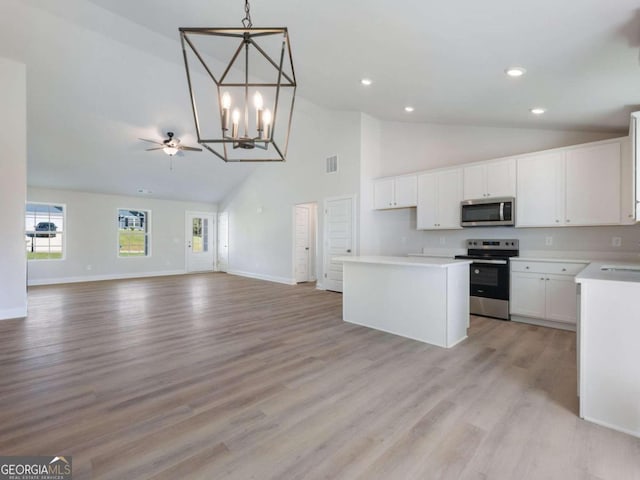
x: 502, y: 211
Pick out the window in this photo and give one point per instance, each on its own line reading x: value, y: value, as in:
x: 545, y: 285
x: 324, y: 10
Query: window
x: 200, y: 236
x: 133, y: 233
x: 44, y: 231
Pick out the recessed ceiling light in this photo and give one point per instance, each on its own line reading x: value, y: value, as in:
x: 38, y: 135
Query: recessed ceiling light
x: 515, y: 71
x: 366, y: 82
x: 538, y: 110
x: 408, y: 109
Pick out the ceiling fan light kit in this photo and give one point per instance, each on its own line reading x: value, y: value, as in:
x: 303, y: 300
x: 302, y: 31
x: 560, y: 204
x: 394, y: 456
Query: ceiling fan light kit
x: 254, y: 92
x: 170, y: 145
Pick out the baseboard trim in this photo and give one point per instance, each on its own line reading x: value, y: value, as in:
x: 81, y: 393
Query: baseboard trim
x: 544, y: 323
x: 617, y: 428
x: 100, y: 278
x: 12, y: 313
x: 260, y: 276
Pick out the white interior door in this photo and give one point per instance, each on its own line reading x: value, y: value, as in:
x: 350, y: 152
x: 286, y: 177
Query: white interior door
x: 200, y: 242
x: 303, y: 243
x: 223, y: 241
x: 339, y: 238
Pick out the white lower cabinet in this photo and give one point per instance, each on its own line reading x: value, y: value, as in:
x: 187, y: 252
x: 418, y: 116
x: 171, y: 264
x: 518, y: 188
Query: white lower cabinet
x: 545, y: 292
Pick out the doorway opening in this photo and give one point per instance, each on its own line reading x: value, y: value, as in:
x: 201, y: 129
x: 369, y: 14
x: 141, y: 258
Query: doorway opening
x: 305, y: 242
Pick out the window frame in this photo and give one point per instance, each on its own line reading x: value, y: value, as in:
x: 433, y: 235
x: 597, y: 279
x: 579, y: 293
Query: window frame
x: 147, y: 212
x: 64, y: 232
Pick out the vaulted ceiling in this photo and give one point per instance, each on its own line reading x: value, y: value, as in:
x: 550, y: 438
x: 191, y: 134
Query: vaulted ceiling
x: 104, y: 72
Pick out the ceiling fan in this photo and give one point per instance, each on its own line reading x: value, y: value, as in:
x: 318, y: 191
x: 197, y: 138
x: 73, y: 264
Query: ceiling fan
x: 171, y: 145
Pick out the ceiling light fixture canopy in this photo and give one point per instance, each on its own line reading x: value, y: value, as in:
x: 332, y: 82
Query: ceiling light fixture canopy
x: 254, y: 92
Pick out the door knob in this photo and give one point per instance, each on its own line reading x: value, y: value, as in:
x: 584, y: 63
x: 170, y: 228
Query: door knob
x: 306, y: 248
x: 349, y: 251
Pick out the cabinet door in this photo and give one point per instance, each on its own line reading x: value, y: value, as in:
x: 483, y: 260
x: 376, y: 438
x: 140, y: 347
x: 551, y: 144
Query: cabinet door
x: 406, y: 191
x: 383, y: 196
x: 593, y: 185
x: 528, y: 294
x: 540, y: 183
x: 501, y: 178
x: 449, y: 198
x: 426, y: 217
x: 561, y: 298
x: 475, y: 184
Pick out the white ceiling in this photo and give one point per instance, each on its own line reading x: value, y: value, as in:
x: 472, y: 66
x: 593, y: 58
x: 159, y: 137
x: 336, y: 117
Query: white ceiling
x: 97, y: 81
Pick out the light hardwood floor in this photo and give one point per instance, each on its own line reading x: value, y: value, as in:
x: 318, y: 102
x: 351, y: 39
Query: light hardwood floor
x: 214, y: 376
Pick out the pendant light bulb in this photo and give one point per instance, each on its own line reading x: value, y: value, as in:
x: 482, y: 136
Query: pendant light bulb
x: 257, y: 101
x: 226, y: 100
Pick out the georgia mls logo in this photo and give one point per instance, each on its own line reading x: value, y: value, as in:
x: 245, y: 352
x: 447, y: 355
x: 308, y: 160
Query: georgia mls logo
x: 35, y: 468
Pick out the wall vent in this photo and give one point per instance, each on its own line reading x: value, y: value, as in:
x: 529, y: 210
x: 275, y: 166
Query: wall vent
x: 332, y: 164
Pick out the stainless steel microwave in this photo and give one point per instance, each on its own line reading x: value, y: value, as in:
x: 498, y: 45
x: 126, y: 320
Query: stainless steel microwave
x: 487, y: 212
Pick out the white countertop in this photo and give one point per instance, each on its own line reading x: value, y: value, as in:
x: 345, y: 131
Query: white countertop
x: 556, y: 260
x: 594, y: 272
x: 405, y: 261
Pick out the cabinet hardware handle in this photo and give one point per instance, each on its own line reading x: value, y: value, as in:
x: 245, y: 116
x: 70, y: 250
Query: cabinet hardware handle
x: 564, y: 269
x: 349, y: 250
x: 527, y: 268
x: 557, y: 221
x: 568, y: 220
x: 542, y: 278
x: 547, y: 279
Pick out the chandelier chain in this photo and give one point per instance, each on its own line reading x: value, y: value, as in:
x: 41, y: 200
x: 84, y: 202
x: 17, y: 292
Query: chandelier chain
x: 246, y: 21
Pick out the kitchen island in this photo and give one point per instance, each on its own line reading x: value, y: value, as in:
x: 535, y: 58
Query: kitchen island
x: 426, y: 299
x: 608, y: 353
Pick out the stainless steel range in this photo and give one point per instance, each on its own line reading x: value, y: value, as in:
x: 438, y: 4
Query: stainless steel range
x: 489, y: 276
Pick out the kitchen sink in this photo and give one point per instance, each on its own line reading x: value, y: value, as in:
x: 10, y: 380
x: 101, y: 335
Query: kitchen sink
x: 620, y: 268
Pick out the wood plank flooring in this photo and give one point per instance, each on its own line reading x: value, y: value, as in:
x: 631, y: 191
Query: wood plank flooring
x: 214, y: 376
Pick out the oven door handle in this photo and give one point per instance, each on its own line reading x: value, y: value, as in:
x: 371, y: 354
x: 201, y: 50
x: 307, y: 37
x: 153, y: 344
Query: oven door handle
x: 490, y: 262
x: 502, y: 211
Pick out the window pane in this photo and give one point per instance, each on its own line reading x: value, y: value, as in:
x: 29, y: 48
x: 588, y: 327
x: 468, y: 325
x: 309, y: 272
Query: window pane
x: 44, y: 231
x: 196, y: 237
x: 133, y: 233
x: 205, y: 235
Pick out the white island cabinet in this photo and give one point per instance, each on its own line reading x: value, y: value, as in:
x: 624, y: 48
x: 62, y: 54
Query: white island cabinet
x: 426, y: 299
x: 609, y: 346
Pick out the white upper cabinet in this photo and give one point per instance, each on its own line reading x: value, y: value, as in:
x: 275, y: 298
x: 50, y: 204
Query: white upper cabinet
x: 406, y: 190
x: 383, y: 195
x: 593, y: 185
x: 395, y: 192
x: 540, y: 199
x: 496, y: 178
x: 439, y: 197
x: 573, y: 186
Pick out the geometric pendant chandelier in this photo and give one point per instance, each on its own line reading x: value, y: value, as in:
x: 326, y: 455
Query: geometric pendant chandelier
x: 242, y: 108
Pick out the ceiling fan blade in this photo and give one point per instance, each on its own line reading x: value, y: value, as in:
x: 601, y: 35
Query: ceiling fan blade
x: 191, y: 149
x: 151, y: 141
x: 156, y: 148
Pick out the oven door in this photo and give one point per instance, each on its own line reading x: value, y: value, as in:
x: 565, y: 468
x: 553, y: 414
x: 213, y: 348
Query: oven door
x: 489, y: 279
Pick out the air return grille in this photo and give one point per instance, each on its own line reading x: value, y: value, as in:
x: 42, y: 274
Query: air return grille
x: 332, y: 164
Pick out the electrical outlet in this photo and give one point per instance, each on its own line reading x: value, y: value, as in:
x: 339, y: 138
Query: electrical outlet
x: 89, y: 267
x: 548, y: 241
x: 443, y: 240
x: 616, y: 241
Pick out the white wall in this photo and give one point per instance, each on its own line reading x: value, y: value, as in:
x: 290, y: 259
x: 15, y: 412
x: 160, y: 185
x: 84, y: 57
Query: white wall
x: 260, y: 220
x: 13, y: 186
x: 92, y: 240
x: 410, y: 147
x: 404, y: 148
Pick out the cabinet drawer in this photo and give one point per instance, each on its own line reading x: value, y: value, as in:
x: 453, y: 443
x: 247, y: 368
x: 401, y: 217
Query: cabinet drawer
x: 558, y: 268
